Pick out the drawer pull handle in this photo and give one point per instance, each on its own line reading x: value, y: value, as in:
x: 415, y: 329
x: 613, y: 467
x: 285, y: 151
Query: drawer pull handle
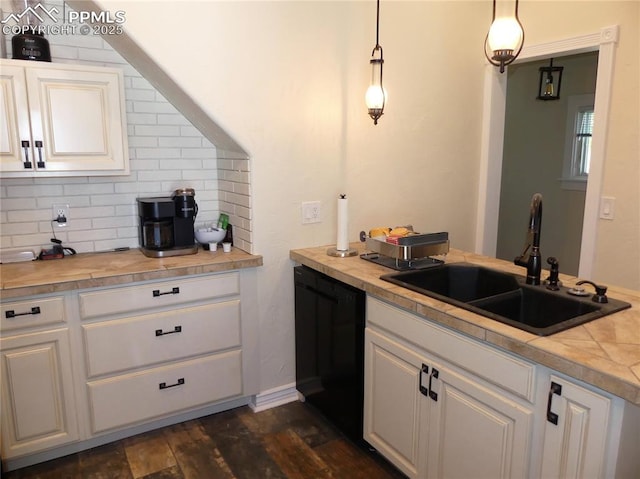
x: 40, y: 162
x: 554, y: 389
x: 434, y: 374
x: 177, y: 329
x: 12, y: 314
x: 423, y: 370
x: 26, y: 163
x: 164, y: 385
x: 156, y: 292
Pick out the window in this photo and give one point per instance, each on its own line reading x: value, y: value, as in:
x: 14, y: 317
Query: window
x: 582, y: 142
x: 578, y: 142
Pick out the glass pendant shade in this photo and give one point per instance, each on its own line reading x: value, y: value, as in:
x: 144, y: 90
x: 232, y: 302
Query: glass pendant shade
x: 505, y: 39
x: 505, y: 34
x: 376, y: 95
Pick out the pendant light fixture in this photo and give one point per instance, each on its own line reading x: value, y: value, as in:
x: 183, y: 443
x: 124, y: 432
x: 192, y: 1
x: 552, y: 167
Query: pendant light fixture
x: 376, y: 95
x: 505, y: 38
x: 549, y: 86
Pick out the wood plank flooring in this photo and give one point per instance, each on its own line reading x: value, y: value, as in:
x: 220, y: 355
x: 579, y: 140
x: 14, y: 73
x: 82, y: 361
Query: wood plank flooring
x: 288, y: 442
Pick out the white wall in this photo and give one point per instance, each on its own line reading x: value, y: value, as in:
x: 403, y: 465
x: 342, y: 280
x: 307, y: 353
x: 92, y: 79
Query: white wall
x: 617, y: 259
x: 287, y: 79
x: 533, y: 158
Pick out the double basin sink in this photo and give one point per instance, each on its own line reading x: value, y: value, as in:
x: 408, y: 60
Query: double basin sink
x: 505, y: 297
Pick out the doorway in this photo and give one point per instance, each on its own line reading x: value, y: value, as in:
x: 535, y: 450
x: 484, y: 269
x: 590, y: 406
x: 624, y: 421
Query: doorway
x: 537, y: 158
x: 490, y: 173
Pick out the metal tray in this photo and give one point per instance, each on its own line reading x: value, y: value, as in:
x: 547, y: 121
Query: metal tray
x: 412, y: 247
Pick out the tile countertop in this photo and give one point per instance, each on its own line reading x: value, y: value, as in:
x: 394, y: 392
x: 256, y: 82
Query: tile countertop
x: 94, y: 270
x: 604, y: 352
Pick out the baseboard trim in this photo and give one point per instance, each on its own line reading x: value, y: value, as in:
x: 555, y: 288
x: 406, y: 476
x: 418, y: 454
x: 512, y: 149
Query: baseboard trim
x: 274, y: 397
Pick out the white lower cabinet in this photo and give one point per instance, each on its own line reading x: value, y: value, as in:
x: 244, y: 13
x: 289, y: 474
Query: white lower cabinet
x: 576, y: 432
x: 181, y: 350
x: 433, y: 421
x: 37, y: 403
x: 441, y: 405
x: 135, y: 397
x: 91, y: 365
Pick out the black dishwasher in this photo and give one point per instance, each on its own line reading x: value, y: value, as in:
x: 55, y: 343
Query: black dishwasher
x: 329, y: 322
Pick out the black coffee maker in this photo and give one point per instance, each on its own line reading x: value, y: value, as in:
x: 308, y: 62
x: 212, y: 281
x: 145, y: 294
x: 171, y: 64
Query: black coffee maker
x: 166, y: 224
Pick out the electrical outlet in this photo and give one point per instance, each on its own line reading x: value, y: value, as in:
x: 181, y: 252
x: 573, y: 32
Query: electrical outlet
x: 61, y: 214
x: 311, y: 212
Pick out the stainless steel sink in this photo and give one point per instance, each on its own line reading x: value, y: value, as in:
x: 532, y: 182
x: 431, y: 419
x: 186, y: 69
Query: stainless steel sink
x: 505, y: 297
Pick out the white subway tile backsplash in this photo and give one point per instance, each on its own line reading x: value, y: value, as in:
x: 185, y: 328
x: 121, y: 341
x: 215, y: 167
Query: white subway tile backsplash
x: 30, y: 191
x: 16, y: 204
x: 156, y: 130
x: 87, y: 189
x: 160, y: 153
x: 169, y: 119
x: 113, y: 222
x: 166, y: 152
x: 180, y: 142
x: 153, y: 107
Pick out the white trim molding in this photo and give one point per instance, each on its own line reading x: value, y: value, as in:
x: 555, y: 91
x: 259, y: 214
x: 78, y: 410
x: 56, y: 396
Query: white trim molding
x: 494, y: 101
x: 274, y: 397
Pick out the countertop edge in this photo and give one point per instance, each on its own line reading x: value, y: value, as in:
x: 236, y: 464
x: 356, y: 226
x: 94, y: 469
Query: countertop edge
x: 453, y: 318
x: 159, y: 270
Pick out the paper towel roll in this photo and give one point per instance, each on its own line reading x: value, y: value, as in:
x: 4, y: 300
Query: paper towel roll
x: 342, y: 243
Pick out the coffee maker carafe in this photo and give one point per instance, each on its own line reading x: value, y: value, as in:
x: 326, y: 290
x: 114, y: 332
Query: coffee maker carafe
x: 166, y: 224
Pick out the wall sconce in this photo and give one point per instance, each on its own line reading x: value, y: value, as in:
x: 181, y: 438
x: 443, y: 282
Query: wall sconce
x: 376, y: 95
x: 504, y: 40
x: 549, y: 87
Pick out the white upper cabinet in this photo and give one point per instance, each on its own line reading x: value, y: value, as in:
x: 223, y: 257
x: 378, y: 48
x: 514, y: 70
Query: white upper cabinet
x: 61, y: 120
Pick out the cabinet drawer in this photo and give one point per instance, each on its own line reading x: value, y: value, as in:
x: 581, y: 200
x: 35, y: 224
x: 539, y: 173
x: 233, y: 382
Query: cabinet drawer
x: 33, y: 312
x: 145, y: 395
x: 156, y: 295
x: 503, y: 369
x: 117, y: 345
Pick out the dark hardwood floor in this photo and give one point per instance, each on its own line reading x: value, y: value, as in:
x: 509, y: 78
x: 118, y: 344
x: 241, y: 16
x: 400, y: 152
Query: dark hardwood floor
x: 288, y: 442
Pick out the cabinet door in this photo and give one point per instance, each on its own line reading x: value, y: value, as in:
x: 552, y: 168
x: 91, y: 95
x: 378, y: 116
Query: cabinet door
x: 576, y: 430
x: 14, y: 121
x: 395, y: 413
x: 475, y: 431
x: 77, y: 117
x: 38, y: 406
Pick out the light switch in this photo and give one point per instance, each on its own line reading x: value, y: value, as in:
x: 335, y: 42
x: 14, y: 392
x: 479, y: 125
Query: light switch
x: 607, y: 207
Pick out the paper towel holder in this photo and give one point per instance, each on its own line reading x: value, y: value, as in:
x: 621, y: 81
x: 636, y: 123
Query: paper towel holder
x: 342, y: 248
x: 342, y: 253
